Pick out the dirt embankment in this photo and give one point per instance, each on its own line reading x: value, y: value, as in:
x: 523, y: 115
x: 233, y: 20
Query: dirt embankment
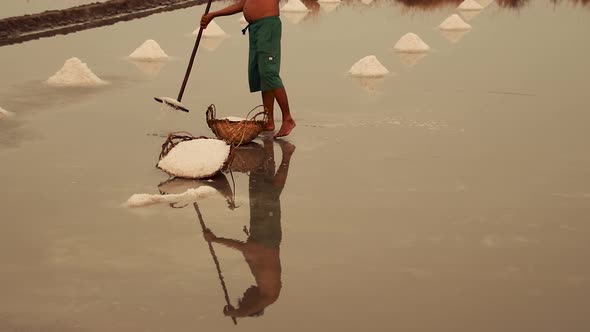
x: 54, y: 22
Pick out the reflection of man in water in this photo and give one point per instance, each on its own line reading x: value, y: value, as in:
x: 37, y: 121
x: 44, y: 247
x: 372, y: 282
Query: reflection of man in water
x: 261, y: 250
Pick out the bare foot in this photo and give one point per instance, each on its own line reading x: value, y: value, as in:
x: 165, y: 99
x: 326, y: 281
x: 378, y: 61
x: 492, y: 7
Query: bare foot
x: 286, y: 147
x: 269, y: 127
x: 286, y: 128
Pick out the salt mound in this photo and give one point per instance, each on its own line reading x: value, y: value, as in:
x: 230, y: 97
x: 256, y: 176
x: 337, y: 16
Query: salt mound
x: 213, y: 30
x: 75, y: 73
x: 234, y: 119
x: 454, y: 22
x: 294, y: 6
x: 485, y: 3
x: 195, y: 159
x: 189, y: 196
x: 411, y: 43
x: 4, y: 113
x: 470, y: 5
x: 149, y: 51
x: 368, y: 66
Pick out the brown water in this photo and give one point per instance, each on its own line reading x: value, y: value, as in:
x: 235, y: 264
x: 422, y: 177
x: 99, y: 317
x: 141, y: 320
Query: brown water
x: 452, y: 195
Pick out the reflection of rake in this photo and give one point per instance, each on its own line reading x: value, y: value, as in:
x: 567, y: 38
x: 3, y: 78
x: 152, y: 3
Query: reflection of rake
x: 215, y: 260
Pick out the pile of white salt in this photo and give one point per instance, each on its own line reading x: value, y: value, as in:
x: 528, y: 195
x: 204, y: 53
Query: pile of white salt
x: 470, y: 5
x: 150, y: 50
x: 368, y: 66
x: 294, y: 6
x: 411, y: 43
x: 195, y: 159
x: 213, y: 30
x: 187, y: 197
x: 75, y: 73
x: 234, y: 119
x: 454, y: 22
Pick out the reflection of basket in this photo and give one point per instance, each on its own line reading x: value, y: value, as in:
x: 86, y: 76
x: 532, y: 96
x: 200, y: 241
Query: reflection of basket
x: 178, y: 137
x: 247, y: 158
x: 219, y: 182
x: 236, y: 132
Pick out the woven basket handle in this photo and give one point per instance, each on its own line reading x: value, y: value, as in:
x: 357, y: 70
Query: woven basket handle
x: 211, y: 113
x: 252, y: 110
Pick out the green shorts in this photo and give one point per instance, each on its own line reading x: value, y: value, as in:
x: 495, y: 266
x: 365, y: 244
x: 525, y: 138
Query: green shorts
x: 264, y: 60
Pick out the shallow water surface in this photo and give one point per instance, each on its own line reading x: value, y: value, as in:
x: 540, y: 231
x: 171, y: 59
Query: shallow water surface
x: 450, y: 195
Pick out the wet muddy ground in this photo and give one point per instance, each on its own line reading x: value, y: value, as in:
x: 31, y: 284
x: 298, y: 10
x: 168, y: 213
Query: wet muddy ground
x: 450, y: 195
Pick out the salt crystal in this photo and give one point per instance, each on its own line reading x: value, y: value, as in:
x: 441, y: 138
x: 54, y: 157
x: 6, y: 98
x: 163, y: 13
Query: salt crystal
x: 150, y: 50
x: 470, y: 5
x: 75, y: 73
x: 294, y: 6
x: 198, y: 158
x: 4, y: 113
x: 454, y: 22
x: 213, y: 30
x: 411, y: 43
x: 234, y: 119
x: 368, y: 66
x: 190, y: 196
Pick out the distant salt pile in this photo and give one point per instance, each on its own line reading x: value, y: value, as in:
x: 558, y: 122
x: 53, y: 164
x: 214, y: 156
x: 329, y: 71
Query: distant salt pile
x: 75, y: 73
x: 150, y: 50
x: 454, y: 22
x: 4, y: 113
x: 329, y: 6
x: 213, y: 30
x: 411, y: 43
x: 368, y: 66
x: 294, y: 6
x: 195, y: 159
x: 187, y: 197
x: 485, y: 3
x: 470, y: 5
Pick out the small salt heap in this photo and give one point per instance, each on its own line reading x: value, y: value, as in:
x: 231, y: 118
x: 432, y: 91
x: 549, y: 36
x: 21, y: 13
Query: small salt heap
x: 368, y: 66
x: 213, y: 30
x: 75, y: 73
x: 411, y: 43
x: 234, y: 119
x: 470, y: 5
x: 294, y: 6
x: 195, y: 159
x: 485, y: 3
x: 454, y: 22
x: 150, y: 50
x: 4, y: 113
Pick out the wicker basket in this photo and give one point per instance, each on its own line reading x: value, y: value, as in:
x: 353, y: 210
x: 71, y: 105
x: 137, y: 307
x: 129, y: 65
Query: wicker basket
x: 178, y: 137
x: 237, y: 132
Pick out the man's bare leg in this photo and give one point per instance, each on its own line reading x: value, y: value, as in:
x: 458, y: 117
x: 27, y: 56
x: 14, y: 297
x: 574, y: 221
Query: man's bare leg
x: 288, y: 123
x: 268, y: 100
